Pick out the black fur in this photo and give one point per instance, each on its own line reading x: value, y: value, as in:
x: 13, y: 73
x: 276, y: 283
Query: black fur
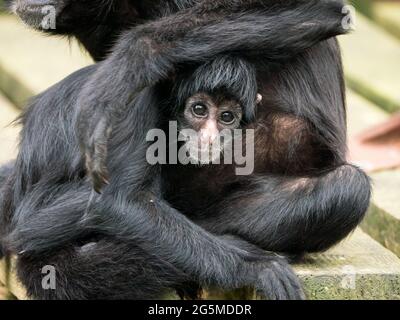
x: 248, y: 28
x: 303, y: 197
x: 167, y: 34
x: 54, y: 214
x: 5, y: 172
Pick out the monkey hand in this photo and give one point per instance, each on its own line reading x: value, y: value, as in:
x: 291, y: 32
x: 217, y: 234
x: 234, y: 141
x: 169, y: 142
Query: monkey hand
x: 277, y: 281
x: 271, y: 274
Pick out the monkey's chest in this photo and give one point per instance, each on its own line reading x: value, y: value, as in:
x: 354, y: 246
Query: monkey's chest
x: 191, y: 189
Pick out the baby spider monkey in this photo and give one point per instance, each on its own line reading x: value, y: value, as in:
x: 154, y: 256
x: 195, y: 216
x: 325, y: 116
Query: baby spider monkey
x: 207, y: 125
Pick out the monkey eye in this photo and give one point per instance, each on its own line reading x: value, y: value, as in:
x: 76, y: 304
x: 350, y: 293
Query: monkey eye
x: 227, y: 117
x: 200, y: 110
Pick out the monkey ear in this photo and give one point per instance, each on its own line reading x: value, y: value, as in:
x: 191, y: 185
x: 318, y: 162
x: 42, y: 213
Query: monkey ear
x: 259, y: 98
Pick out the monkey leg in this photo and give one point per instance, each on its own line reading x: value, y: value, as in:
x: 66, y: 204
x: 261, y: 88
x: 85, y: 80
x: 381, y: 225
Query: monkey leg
x: 294, y: 215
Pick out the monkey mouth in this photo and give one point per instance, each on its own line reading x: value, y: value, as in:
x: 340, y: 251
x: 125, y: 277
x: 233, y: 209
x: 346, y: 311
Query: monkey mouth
x: 203, y: 156
x: 38, y: 13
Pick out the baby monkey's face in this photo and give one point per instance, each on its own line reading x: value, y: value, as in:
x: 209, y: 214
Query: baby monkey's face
x: 210, y: 114
x: 208, y: 118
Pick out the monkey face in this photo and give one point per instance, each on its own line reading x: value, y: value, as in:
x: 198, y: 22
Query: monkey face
x: 209, y: 118
x: 211, y: 114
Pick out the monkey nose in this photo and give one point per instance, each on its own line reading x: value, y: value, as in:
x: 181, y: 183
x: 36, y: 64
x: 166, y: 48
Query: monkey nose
x: 209, y: 132
x: 207, y: 137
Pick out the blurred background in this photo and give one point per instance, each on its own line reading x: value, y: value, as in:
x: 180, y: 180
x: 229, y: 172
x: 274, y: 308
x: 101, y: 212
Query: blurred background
x: 31, y: 62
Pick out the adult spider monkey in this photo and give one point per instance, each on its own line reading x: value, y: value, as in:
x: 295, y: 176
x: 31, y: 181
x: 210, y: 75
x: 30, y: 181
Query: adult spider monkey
x: 50, y: 222
x: 176, y: 32
x: 181, y: 31
x: 303, y: 196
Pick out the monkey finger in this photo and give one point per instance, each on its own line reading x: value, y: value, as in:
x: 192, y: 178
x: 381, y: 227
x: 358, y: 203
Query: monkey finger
x: 96, y: 154
x: 277, y: 281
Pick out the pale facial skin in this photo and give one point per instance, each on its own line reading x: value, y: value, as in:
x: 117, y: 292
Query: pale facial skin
x: 208, y: 115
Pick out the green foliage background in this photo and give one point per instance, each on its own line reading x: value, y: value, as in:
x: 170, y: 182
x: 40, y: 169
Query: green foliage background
x: 364, y: 6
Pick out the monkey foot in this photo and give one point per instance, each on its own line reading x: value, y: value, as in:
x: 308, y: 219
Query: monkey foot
x: 377, y: 148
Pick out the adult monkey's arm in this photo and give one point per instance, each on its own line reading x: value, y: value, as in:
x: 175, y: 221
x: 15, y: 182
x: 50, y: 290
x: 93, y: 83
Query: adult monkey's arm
x: 271, y: 30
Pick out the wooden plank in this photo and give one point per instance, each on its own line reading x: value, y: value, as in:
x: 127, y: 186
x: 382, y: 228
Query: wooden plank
x: 359, y: 268
x: 9, y: 279
x: 383, y: 219
x: 371, y: 59
x: 32, y: 62
x: 362, y: 114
